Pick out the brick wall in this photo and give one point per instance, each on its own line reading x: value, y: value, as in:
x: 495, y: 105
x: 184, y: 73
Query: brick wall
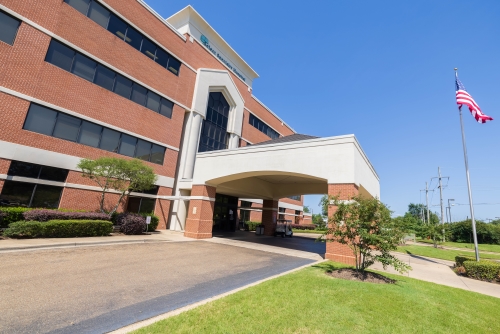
x: 199, y: 220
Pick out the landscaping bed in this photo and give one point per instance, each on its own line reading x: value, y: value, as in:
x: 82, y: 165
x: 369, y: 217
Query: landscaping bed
x: 353, y: 275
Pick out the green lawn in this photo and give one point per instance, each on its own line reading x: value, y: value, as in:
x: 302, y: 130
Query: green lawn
x: 482, y: 247
x: 308, y: 301
x: 445, y: 254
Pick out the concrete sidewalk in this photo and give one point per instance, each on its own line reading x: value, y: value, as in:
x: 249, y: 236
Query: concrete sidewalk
x: 7, y: 245
x: 440, y: 272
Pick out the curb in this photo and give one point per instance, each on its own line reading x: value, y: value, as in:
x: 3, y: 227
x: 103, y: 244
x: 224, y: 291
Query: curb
x: 147, y: 322
x: 77, y: 244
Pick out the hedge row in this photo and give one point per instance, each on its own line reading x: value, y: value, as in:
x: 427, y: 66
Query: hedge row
x: 59, y: 229
x: 43, y: 215
x: 11, y: 215
x: 304, y: 226
x: 483, y: 270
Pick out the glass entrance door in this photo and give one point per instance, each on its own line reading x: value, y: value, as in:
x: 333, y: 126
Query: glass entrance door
x: 225, y: 213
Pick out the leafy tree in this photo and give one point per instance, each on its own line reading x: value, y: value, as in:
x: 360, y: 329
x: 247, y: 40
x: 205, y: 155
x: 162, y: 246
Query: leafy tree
x: 319, y: 221
x: 117, y: 174
x: 306, y: 209
x: 365, y: 225
x: 324, y: 202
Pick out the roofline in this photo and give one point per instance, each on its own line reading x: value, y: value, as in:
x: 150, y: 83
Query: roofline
x: 158, y: 16
x: 189, y: 7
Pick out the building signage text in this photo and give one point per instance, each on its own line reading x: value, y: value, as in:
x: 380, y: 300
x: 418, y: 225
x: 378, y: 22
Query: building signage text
x: 205, y: 41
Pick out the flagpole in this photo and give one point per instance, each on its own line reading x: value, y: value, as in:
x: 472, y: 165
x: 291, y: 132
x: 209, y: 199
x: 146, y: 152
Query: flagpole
x: 468, y: 180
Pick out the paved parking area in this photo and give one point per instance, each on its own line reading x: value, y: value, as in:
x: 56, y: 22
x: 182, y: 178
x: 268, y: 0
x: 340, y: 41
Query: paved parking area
x: 102, y: 288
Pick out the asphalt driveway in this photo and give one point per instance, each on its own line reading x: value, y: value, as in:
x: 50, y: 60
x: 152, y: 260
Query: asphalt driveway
x: 99, y: 289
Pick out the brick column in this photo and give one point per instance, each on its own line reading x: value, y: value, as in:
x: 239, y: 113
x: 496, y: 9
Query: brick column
x: 199, y: 221
x: 336, y: 251
x: 269, y: 216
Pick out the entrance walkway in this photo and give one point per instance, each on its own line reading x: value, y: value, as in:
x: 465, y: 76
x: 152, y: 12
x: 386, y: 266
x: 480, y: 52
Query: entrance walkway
x: 298, y: 246
x: 440, y: 272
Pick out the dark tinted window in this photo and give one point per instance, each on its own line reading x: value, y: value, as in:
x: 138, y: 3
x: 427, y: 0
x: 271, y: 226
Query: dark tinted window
x: 139, y: 94
x: 16, y: 193
x: 162, y: 57
x: 60, y: 55
x: 24, y: 169
x: 174, y: 65
x: 80, y: 5
x: 8, y: 28
x: 110, y: 140
x: 214, y: 128
x: 157, y: 154
x: 148, y: 48
x: 104, y: 77
x: 166, y: 108
x: 263, y: 127
x: 99, y: 14
x: 90, y: 134
x: 127, y: 145
x: 153, y: 102
x: 123, y: 86
x: 126, y: 33
x: 133, y: 38
x: 84, y: 67
x: 46, y: 197
x: 117, y: 26
x: 143, y: 150
x: 67, y: 127
x: 133, y: 204
x: 40, y: 119
x: 147, y: 205
x: 53, y: 174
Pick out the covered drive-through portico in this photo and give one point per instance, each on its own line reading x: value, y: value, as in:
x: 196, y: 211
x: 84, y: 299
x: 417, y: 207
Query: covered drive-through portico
x: 276, y: 169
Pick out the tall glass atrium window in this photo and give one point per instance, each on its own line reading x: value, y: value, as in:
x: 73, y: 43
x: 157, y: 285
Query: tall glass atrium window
x: 214, y: 130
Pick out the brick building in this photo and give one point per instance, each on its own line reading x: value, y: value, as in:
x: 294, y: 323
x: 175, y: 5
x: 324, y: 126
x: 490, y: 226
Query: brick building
x: 91, y: 78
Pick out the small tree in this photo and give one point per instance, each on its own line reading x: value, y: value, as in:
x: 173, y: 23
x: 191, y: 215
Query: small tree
x: 117, y: 174
x: 306, y: 209
x: 365, y: 225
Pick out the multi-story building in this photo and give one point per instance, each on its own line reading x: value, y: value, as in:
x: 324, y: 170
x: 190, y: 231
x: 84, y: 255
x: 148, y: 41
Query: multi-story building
x: 91, y: 78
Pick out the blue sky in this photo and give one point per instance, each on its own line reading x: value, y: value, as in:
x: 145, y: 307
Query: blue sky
x: 382, y: 70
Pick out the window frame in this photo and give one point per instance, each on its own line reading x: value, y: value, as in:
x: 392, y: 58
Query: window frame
x: 17, y: 29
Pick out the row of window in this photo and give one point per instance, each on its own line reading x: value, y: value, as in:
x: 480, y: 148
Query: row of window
x: 72, y: 61
x: 26, y: 169
x: 30, y: 195
x: 125, y: 32
x: 8, y: 28
x: 49, y: 122
x: 295, y: 197
x: 263, y: 127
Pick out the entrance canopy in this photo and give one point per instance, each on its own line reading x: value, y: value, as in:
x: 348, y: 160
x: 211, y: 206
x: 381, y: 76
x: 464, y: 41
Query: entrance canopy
x: 287, y: 166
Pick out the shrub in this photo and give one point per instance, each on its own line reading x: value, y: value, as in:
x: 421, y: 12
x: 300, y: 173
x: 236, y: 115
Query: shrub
x: 155, y: 220
x: 11, y: 215
x: 59, y: 229
x: 482, y: 270
x: 251, y: 226
x: 76, y: 228
x: 303, y: 226
x: 22, y: 229
x: 460, y: 259
x: 43, y: 215
x: 131, y: 223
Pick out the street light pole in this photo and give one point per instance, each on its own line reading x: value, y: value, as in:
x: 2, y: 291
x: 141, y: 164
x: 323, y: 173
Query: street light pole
x: 449, y: 207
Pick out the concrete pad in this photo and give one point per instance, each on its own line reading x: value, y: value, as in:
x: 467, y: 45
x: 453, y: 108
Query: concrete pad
x: 440, y: 272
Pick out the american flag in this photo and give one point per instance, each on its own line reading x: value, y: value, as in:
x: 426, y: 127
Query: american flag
x: 464, y: 98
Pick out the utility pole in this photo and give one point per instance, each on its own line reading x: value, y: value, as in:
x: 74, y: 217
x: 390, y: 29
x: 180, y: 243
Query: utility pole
x: 449, y: 207
x: 441, y: 196
x: 427, y: 202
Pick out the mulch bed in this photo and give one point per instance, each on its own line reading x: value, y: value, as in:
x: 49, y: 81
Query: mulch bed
x: 353, y: 275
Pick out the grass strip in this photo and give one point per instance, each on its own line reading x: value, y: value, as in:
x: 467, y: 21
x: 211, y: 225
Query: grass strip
x: 308, y: 301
